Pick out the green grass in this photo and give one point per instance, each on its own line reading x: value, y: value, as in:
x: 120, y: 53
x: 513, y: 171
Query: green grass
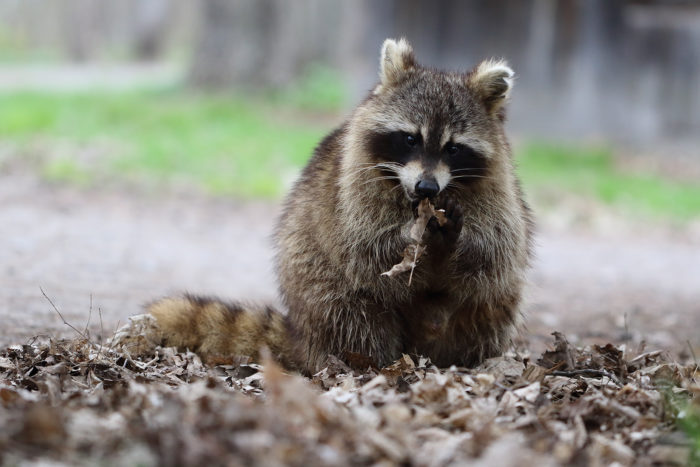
x: 686, y: 414
x: 691, y: 426
x: 591, y: 171
x: 319, y: 89
x: 228, y: 145
x: 253, y: 146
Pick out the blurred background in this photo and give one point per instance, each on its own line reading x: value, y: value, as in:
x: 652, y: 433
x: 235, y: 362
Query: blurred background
x: 193, y: 91
x: 185, y: 113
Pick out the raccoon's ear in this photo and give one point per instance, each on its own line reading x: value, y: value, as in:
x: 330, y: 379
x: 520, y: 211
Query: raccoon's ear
x: 492, y: 81
x: 396, y: 61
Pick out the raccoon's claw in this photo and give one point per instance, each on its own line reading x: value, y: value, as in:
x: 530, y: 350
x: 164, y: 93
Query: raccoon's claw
x: 414, y: 206
x: 446, y: 235
x: 451, y: 208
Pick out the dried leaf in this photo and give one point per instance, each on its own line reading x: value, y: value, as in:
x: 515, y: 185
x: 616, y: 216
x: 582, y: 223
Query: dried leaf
x: 413, y: 252
x: 561, y: 358
x: 357, y: 361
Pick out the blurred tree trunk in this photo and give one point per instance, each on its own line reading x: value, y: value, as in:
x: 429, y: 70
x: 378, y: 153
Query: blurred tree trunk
x: 79, y: 42
x: 150, y: 28
x: 214, y: 62
x: 257, y: 43
x: 248, y: 43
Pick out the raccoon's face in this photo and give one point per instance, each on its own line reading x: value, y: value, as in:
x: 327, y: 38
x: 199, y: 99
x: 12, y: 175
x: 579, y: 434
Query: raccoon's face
x: 427, y: 130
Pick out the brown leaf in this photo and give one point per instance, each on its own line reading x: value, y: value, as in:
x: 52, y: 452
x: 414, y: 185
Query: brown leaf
x: 610, y: 358
x: 400, y: 367
x: 503, y: 367
x: 411, y: 254
x: 562, y: 357
x: 413, y: 251
x: 357, y: 361
x: 9, y: 396
x: 43, y: 425
x: 534, y: 373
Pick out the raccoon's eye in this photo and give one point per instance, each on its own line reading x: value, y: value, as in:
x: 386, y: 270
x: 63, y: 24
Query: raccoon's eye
x: 411, y: 140
x: 452, y: 149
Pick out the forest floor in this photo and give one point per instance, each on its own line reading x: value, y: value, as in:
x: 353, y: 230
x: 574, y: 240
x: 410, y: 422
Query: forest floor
x: 96, y: 256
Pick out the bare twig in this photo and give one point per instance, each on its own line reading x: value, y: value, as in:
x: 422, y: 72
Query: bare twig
x: 62, y: 318
x: 102, y: 333
x: 587, y: 372
x: 554, y: 368
x: 413, y: 267
x: 692, y: 354
x: 85, y: 331
x: 102, y: 328
x: 645, y: 355
x: 111, y: 343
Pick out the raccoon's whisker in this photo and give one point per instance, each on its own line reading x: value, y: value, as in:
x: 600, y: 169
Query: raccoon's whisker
x: 365, y: 166
x: 472, y: 176
x: 379, y: 164
x: 388, y: 177
x: 361, y: 170
x: 465, y: 169
x: 385, y: 165
x: 457, y: 190
x: 389, y: 166
x: 382, y: 165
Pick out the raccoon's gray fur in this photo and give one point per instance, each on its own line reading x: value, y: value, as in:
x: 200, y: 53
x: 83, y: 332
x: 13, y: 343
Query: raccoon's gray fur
x: 420, y: 133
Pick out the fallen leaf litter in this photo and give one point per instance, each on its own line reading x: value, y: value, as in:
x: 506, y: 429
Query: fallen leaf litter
x: 75, y: 402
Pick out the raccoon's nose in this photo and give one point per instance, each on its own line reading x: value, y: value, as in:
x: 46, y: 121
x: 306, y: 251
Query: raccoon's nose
x: 427, y: 188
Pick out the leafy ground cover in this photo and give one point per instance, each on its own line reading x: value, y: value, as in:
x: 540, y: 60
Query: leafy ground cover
x: 253, y: 146
x: 77, y: 402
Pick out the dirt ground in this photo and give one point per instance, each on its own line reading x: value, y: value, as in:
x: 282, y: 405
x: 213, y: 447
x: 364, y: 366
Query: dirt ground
x: 107, y: 252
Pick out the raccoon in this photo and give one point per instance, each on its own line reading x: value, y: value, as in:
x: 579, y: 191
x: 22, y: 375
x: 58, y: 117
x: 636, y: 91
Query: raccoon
x: 420, y: 133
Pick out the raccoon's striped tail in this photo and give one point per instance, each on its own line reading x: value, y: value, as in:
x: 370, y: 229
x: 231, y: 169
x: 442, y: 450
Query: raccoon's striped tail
x: 212, y: 328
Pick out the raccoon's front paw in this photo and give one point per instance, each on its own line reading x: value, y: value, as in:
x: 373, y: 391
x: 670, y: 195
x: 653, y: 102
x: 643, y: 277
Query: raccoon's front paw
x: 442, y: 235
